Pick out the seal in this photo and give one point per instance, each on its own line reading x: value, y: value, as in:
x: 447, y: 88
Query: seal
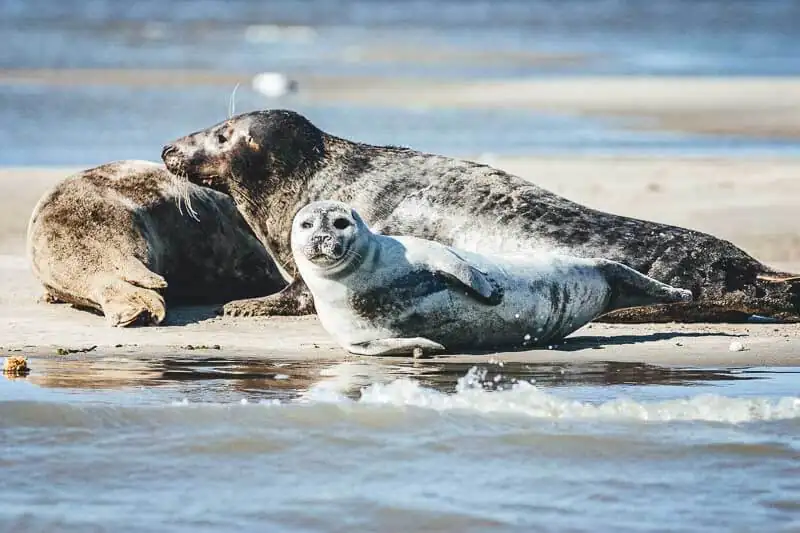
x: 386, y: 295
x: 122, y: 237
x: 274, y: 162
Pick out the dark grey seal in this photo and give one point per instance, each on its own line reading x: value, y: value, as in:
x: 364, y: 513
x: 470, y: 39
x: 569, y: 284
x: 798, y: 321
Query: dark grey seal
x: 392, y: 295
x: 274, y: 162
x: 122, y: 237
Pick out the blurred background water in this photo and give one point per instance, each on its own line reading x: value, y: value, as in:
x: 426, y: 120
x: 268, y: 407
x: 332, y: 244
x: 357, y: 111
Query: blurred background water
x: 50, y: 119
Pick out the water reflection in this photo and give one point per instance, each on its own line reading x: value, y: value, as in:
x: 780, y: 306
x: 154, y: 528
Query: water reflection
x: 219, y: 378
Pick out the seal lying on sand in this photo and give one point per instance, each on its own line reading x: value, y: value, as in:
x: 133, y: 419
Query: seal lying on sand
x: 274, y: 162
x: 381, y: 295
x: 120, y: 237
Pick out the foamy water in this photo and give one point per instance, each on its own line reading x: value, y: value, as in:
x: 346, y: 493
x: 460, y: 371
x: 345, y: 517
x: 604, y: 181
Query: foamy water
x: 381, y: 446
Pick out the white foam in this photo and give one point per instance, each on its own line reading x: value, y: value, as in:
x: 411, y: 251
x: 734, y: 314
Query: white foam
x: 529, y: 400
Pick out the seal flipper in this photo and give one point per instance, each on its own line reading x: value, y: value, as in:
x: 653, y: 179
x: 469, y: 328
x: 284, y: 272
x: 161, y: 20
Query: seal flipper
x: 458, y: 270
x: 136, y: 273
x: 293, y: 300
x: 395, y: 346
x: 125, y: 304
x: 630, y: 288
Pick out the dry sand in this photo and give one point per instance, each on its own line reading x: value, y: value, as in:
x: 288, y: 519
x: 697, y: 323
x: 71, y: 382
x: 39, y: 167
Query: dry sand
x: 749, y: 202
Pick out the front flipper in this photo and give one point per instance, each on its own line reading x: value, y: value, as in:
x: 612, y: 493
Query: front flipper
x: 294, y: 300
x: 396, y: 346
x: 457, y: 270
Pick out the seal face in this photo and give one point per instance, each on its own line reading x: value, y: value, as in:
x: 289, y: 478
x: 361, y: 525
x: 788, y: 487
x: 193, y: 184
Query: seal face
x: 276, y: 161
x: 122, y: 237
x: 327, y: 235
x: 381, y: 295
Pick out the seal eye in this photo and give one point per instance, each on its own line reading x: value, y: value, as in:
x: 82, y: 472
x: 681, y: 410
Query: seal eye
x: 221, y: 139
x: 306, y: 224
x: 341, y: 223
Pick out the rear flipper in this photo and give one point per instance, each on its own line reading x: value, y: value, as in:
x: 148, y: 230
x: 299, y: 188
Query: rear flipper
x: 630, y: 288
x: 396, y: 346
x: 125, y: 304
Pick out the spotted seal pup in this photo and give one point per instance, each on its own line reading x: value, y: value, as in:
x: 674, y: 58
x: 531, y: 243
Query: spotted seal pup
x: 383, y: 295
x: 120, y: 237
x: 274, y: 162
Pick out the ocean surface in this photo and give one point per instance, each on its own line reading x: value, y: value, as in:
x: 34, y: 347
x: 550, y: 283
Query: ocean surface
x: 208, y: 444
x: 192, y: 443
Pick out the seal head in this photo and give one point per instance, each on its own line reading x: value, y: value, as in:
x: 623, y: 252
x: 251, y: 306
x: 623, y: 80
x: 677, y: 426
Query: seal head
x: 330, y: 238
x: 278, y: 143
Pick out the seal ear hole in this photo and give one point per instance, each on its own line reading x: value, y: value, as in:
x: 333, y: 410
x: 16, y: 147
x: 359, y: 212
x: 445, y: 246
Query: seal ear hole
x: 341, y: 223
x: 221, y: 138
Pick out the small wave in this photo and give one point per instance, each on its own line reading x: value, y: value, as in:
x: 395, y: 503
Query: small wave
x: 526, y: 399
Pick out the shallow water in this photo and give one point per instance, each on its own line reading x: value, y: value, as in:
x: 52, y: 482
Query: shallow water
x: 191, y: 444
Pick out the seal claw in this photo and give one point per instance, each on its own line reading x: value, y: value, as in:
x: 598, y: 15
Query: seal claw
x: 133, y: 305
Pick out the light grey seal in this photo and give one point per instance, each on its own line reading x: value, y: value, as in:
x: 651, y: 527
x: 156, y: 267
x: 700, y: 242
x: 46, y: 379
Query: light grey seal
x: 121, y: 237
x: 274, y: 162
x: 383, y: 295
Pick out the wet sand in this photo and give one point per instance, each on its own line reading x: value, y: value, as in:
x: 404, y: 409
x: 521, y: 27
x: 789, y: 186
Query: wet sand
x: 751, y: 202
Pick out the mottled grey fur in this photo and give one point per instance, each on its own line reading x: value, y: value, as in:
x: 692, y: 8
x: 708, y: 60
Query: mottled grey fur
x: 382, y: 295
x: 274, y: 162
x: 121, y: 237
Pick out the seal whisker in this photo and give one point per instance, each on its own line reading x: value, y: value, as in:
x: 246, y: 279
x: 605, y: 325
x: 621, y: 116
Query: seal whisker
x: 232, y: 102
x: 183, y: 193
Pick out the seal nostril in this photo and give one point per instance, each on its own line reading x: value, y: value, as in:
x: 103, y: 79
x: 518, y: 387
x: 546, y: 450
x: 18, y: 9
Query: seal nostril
x: 168, y: 149
x: 337, y: 249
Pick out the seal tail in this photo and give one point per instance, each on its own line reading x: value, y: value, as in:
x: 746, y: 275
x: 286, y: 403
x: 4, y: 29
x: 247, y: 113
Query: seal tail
x: 136, y: 273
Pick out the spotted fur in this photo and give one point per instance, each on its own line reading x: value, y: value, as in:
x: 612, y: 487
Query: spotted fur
x: 274, y: 162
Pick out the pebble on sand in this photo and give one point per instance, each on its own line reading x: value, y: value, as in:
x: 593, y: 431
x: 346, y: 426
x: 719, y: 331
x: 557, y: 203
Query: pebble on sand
x: 736, y: 347
x: 16, y: 365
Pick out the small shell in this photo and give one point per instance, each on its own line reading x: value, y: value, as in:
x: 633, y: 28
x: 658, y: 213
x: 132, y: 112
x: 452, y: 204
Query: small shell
x: 16, y: 366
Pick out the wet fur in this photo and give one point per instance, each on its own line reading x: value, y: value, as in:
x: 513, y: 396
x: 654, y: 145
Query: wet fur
x: 275, y: 162
x: 122, y: 237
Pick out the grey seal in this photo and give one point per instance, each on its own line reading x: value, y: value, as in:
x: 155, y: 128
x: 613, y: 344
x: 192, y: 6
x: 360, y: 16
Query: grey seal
x: 274, y: 162
x: 122, y: 237
x: 385, y: 295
